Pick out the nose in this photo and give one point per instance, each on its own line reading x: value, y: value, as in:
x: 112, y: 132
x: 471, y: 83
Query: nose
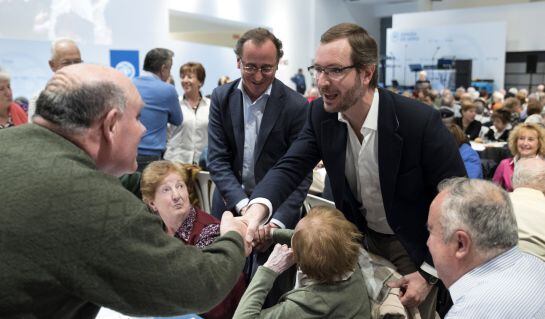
x: 142, y: 128
x: 258, y: 75
x: 321, y: 80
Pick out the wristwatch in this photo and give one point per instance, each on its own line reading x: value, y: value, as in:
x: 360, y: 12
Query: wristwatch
x: 430, y: 279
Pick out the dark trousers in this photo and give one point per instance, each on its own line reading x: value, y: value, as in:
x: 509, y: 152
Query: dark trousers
x: 144, y: 160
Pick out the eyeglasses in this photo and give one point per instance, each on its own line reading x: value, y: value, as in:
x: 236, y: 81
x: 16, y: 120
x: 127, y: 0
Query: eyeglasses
x: 252, y: 69
x: 333, y: 72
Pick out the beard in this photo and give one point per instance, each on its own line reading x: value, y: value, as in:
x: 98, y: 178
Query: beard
x: 349, y: 98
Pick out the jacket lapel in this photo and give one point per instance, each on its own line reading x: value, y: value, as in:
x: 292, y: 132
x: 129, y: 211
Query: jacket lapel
x: 237, y: 118
x: 390, y: 145
x: 334, y: 150
x: 275, y: 105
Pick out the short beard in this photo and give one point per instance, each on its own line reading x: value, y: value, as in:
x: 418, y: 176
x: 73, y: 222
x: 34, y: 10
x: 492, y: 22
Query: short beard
x: 352, y: 96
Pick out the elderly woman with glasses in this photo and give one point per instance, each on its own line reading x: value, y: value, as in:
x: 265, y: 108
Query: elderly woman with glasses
x: 11, y: 114
x: 167, y: 189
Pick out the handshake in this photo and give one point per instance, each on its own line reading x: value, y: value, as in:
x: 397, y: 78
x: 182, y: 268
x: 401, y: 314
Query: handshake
x: 250, y: 227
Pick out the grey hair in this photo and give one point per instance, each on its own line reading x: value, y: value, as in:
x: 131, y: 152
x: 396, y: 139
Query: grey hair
x: 4, y: 75
x: 58, y: 41
x: 156, y: 58
x: 483, y: 210
x: 530, y: 173
x: 74, y: 108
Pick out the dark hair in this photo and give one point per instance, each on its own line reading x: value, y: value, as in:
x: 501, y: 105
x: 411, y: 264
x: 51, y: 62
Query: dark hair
x: 534, y: 107
x: 73, y: 108
x: 503, y: 115
x: 364, y: 48
x: 195, y: 68
x: 258, y: 37
x: 156, y: 58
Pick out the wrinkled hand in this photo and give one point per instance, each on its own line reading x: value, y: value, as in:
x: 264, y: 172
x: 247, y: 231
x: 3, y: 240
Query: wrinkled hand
x: 280, y: 259
x: 414, y: 289
x: 230, y: 223
x: 263, y: 240
x: 253, y: 216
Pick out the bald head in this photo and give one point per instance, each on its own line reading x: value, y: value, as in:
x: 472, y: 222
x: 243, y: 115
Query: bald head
x: 530, y: 173
x: 78, y: 95
x: 64, y: 52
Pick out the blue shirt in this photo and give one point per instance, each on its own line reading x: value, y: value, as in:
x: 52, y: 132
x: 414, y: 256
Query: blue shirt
x: 511, y: 285
x: 472, y: 161
x: 161, y: 107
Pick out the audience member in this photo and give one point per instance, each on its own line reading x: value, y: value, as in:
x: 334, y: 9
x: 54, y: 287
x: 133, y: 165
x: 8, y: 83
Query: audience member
x: 11, y: 114
x: 64, y: 52
x: 499, y: 131
x: 223, y: 80
x: 168, y: 190
x: 325, y: 246
x: 161, y: 105
x: 422, y: 83
x: 528, y: 198
x: 497, y: 101
x: 473, y: 241
x: 253, y: 121
x: 313, y: 94
x: 394, y: 179
x: 527, y: 140
x: 187, y: 141
x: 471, y: 159
x: 512, y: 105
x: 22, y: 102
x: 467, y: 122
x: 300, y: 83
x: 92, y: 243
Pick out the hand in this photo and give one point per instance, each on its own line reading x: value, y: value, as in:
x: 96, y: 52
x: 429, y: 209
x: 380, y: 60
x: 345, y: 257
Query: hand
x: 230, y: 223
x: 280, y: 259
x: 253, y: 217
x: 263, y: 240
x: 414, y: 289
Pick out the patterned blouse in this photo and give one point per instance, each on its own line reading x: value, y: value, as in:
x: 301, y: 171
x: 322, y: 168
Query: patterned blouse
x: 9, y: 123
x: 208, y: 234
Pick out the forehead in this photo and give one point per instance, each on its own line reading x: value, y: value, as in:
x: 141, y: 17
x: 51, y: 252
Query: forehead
x: 264, y: 52
x: 435, y: 209
x: 527, y: 132
x: 335, y: 52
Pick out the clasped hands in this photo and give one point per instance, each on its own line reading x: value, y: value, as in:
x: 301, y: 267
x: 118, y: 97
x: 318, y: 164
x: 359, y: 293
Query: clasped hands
x: 249, y: 227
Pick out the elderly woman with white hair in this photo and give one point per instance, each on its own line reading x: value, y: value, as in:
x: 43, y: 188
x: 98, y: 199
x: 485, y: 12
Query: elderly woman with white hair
x: 11, y: 114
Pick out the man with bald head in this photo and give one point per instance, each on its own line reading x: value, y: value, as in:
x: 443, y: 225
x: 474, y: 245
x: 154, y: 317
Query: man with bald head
x: 528, y: 199
x: 73, y: 238
x: 64, y: 52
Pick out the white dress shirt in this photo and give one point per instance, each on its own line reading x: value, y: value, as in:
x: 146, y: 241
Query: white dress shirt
x: 253, y: 113
x: 187, y: 141
x: 361, y: 169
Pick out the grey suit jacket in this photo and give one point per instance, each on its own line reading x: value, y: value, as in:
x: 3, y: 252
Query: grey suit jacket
x: 283, y: 118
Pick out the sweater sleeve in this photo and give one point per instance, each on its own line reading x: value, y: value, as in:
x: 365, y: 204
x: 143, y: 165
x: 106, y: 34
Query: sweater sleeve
x: 136, y: 269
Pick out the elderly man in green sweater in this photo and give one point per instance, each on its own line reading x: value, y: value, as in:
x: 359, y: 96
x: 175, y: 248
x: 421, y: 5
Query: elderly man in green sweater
x: 71, y: 237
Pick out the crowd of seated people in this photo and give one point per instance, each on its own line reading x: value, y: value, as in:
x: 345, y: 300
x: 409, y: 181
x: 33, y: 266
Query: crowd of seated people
x: 334, y: 287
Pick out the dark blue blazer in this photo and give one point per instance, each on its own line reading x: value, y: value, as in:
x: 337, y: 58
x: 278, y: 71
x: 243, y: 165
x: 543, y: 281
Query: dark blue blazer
x: 415, y: 153
x: 283, y: 119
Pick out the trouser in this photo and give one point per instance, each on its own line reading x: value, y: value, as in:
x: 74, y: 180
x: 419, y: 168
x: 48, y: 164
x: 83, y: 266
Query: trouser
x: 144, y: 160
x: 389, y: 247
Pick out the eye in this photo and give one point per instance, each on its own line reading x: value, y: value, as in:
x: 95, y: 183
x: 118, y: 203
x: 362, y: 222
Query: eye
x: 179, y: 186
x: 165, y: 189
x: 336, y: 70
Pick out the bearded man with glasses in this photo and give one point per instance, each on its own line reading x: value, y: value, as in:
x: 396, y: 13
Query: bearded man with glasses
x: 384, y: 154
x: 253, y: 121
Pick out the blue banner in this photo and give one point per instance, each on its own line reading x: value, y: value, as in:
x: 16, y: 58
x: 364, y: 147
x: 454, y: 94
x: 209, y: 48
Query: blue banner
x: 125, y: 61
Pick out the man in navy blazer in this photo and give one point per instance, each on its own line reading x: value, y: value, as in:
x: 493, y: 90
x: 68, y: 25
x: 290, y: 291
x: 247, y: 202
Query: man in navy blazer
x: 253, y: 121
x: 384, y: 154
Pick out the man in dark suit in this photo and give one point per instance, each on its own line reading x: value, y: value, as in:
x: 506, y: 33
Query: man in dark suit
x: 253, y: 121
x: 384, y: 155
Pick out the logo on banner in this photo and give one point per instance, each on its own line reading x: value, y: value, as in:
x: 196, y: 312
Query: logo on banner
x: 125, y: 61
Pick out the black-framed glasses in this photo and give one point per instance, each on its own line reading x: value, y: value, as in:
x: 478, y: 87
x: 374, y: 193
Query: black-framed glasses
x: 333, y: 72
x: 252, y: 69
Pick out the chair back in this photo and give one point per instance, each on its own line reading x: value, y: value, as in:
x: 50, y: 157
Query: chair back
x: 205, y: 190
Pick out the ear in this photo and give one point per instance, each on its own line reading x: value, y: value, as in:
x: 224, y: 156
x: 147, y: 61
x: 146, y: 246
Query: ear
x: 463, y: 244
x: 239, y: 66
x: 110, y: 124
x: 368, y: 72
x: 51, y: 65
x: 151, y: 204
